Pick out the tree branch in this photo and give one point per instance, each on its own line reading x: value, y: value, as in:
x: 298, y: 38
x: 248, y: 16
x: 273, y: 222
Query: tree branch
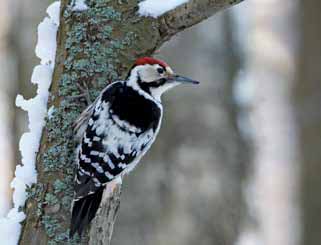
x: 94, y: 47
x: 190, y: 14
x: 102, y: 226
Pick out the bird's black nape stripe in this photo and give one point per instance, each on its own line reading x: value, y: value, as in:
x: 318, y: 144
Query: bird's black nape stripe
x: 84, y: 210
x: 129, y: 72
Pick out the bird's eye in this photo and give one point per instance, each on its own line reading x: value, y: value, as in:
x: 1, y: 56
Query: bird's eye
x: 160, y: 70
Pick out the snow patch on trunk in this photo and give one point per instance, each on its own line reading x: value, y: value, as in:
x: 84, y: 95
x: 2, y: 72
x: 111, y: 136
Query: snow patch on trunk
x: 155, y: 8
x: 79, y: 5
x: 26, y: 174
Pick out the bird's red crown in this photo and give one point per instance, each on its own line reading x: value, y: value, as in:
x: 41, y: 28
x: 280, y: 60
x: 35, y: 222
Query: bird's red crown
x: 150, y: 61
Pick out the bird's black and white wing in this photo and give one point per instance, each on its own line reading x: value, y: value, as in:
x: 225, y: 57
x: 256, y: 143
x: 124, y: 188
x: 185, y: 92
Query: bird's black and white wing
x: 117, y: 130
x: 81, y: 123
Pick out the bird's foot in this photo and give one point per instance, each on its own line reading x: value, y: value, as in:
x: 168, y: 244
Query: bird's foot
x: 111, y: 187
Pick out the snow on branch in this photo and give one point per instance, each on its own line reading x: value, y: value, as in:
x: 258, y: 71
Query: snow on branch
x: 155, y: 8
x: 176, y: 15
x: 191, y: 13
x: 25, y: 174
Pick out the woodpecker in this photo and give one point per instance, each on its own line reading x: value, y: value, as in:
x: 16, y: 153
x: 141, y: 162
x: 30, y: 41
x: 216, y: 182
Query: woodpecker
x: 116, y: 131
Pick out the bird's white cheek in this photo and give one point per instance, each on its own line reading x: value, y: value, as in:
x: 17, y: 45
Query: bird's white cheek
x: 148, y: 75
x: 157, y: 92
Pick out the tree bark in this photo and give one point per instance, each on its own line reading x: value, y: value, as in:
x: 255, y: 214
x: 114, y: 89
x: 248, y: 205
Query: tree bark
x: 307, y: 102
x: 269, y: 75
x: 94, y: 47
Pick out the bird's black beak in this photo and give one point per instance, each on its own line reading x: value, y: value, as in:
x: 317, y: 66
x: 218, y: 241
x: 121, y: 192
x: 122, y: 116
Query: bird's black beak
x: 181, y: 79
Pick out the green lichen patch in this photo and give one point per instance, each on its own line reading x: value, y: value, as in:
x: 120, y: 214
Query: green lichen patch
x: 51, y: 225
x: 51, y: 199
x: 59, y: 186
x: 35, y: 192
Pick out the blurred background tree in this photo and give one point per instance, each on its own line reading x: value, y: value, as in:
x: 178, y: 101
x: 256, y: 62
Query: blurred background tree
x: 307, y: 102
x: 18, y: 33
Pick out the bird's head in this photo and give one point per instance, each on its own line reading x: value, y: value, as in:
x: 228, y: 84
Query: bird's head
x: 154, y: 77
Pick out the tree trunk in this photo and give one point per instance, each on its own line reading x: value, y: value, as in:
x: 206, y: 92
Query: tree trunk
x: 94, y: 47
x: 307, y: 100
x: 269, y: 75
x: 8, y: 85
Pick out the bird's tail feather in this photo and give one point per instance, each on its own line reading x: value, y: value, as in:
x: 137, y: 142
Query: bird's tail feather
x: 84, y: 210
